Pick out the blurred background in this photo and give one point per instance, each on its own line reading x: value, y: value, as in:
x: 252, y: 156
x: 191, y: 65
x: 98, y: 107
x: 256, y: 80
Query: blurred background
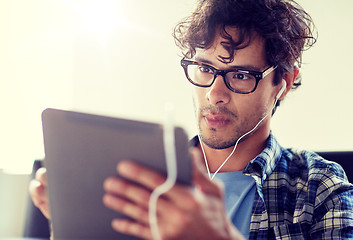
x: 118, y: 58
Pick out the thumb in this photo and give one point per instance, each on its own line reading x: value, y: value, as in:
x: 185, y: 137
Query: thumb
x: 201, y: 178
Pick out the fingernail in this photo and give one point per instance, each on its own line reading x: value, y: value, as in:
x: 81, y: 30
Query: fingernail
x: 126, y: 168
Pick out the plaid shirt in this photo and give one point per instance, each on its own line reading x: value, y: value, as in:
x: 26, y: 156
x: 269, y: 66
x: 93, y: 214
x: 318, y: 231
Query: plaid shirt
x: 299, y: 196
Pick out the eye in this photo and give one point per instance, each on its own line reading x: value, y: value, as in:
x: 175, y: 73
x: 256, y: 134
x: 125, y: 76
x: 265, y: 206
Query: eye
x: 241, y: 76
x: 205, y: 69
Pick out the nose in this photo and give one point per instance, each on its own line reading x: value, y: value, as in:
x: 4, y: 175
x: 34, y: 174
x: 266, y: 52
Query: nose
x: 218, y: 93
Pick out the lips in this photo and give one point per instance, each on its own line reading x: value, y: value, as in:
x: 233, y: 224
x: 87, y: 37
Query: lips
x: 216, y: 121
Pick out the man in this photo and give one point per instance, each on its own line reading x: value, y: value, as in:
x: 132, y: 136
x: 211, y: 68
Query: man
x: 240, y: 56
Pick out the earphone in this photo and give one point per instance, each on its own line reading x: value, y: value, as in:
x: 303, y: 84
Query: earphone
x: 279, y: 94
x: 284, y: 85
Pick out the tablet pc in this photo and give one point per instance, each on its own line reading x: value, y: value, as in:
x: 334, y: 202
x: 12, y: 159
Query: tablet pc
x: 82, y: 150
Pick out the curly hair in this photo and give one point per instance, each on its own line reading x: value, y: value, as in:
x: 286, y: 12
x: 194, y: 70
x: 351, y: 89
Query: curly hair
x: 286, y: 28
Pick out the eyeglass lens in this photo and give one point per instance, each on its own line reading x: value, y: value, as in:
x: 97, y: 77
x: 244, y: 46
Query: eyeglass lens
x: 237, y: 80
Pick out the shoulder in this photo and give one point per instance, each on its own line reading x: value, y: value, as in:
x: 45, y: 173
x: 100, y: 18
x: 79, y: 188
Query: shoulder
x: 306, y: 171
x: 312, y: 164
x: 313, y: 175
x: 314, y: 193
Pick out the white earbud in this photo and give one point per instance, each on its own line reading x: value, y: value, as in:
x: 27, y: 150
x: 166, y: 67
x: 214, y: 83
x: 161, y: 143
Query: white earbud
x: 284, y: 85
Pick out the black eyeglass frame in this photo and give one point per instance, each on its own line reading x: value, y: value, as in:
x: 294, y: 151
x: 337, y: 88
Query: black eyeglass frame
x: 257, y: 75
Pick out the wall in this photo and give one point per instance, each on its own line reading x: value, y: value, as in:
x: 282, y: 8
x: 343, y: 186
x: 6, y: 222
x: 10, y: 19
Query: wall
x: 318, y: 116
x: 13, y: 202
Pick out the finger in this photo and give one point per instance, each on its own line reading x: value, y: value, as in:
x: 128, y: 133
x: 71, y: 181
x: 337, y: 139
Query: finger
x: 140, y: 174
x: 134, y: 193
x: 37, y: 187
x: 125, y: 207
x: 180, y: 195
x: 41, y: 176
x: 200, y: 177
x: 39, y: 197
x: 117, y: 186
x: 140, y: 213
x: 132, y: 228
x: 35, y: 191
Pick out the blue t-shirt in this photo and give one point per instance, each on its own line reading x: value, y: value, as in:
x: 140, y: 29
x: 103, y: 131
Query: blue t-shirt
x: 239, y: 198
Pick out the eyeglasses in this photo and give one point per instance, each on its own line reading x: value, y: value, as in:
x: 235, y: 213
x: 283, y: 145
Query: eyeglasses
x: 237, y: 80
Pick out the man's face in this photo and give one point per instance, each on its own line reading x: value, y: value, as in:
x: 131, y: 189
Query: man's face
x: 223, y: 116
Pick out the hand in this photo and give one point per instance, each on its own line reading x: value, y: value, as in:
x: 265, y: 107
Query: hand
x: 38, y: 192
x: 184, y: 212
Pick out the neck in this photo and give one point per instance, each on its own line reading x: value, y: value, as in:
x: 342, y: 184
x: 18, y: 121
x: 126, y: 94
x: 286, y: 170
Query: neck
x: 246, y: 150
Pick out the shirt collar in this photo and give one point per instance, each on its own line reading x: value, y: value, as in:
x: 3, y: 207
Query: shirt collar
x: 263, y: 164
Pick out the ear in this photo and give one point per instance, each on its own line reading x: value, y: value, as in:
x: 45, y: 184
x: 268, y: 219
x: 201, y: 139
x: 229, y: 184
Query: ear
x: 289, y: 77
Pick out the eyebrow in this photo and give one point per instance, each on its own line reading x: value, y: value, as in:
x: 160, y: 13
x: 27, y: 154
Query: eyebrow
x: 243, y: 67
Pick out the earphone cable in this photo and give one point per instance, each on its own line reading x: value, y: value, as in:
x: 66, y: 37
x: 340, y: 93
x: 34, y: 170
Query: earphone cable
x: 235, y: 146
x: 170, y: 155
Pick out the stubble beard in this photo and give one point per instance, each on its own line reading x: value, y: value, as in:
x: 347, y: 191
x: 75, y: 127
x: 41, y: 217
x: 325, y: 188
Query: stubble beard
x: 215, y: 139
